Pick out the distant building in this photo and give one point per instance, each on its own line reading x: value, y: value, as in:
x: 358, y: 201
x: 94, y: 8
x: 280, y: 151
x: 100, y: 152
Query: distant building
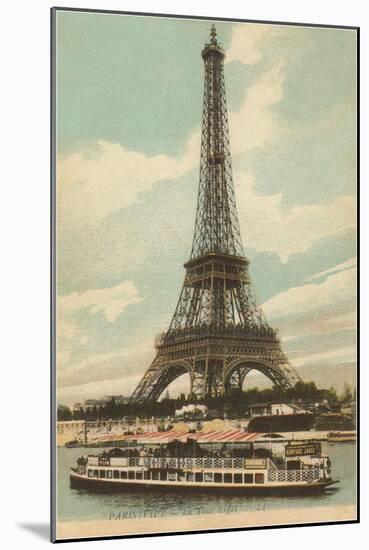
x: 91, y: 403
x: 274, y: 409
x: 119, y: 399
x: 191, y: 409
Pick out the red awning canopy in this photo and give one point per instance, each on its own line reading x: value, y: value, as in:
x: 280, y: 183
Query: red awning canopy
x: 218, y: 436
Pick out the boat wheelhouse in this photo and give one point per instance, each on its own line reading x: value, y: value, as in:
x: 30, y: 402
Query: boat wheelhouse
x: 228, y: 460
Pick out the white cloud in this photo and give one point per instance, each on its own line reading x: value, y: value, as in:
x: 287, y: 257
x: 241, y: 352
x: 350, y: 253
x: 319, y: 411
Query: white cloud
x: 111, y: 301
x: 307, y: 317
x: 124, y: 385
x: 340, y: 267
x: 246, y: 42
x: 326, y: 322
x: 337, y: 288
x: 105, y: 177
x: 340, y: 355
x: 254, y: 124
x: 66, y: 329
x: 63, y: 356
x: 290, y: 231
x: 118, y: 371
x: 315, y: 309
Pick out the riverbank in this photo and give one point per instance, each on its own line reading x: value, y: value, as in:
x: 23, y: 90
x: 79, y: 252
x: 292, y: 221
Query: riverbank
x: 76, y: 433
x: 153, y: 523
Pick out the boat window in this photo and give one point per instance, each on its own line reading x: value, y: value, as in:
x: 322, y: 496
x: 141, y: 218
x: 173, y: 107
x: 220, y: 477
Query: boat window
x: 238, y: 478
x: 208, y: 476
x: 155, y: 475
x: 123, y: 475
x: 259, y: 478
x: 138, y: 475
x: 90, y: 473
x: 102, y: 473
x: 227, y: 478
x: 248, y: 478
x: 131, y: 475
x: 163, y: 476
x: 96, y: 473
x: 109, y: 474
x: 218, y: 478
x: 116, y: 474
x: 190, y: 476
x: 199, y: 476
x: 293, y: 465
x: 146, y: 475
x: 172, y: 477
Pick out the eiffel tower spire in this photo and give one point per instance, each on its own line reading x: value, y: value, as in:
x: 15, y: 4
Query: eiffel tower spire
x: 216, y: 227
x: 217, y: 334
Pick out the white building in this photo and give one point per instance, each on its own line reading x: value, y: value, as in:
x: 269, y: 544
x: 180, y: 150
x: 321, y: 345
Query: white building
x: 191, y: 409
x: 274, y: 409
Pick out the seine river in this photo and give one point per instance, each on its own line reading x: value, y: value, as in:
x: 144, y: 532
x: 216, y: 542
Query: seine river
x: 77, y: 504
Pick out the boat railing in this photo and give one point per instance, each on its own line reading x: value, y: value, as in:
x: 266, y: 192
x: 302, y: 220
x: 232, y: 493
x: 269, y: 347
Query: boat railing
x: 188, y: 462
x: 168, y: 462
x: 274, y: 474
x: 311, y: 474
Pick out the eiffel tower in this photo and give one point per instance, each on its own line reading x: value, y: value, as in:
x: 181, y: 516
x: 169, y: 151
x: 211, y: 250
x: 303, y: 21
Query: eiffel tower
x: 217, y: 334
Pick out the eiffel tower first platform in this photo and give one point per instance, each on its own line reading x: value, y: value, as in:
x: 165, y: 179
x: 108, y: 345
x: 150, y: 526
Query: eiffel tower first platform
x: 217, y: 334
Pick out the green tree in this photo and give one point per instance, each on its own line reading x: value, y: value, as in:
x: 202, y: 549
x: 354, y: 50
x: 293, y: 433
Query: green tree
x: 347, y: 395
x: 64, y: 413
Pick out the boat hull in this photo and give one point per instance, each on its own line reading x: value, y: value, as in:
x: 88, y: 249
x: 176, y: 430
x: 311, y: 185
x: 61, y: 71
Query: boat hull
x: 108, y: 486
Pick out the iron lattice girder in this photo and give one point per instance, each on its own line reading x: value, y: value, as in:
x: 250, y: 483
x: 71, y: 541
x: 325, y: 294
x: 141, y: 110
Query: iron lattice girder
x: 217, y: 334
x: 214, y: 381
x: 216, y: 290
x: 216, y: 226
x: 211, y: 363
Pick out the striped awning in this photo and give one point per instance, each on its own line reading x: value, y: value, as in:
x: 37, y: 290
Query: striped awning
x: 154, y: 437
x: 216, y: 436
x: 227, y: 436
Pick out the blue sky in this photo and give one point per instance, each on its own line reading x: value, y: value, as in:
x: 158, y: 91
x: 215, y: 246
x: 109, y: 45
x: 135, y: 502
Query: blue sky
x: 129, y: 105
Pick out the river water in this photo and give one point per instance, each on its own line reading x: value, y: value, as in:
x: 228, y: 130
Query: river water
x: 73, y: 504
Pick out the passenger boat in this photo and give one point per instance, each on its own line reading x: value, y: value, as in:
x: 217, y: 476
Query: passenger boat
x: 232, y: 460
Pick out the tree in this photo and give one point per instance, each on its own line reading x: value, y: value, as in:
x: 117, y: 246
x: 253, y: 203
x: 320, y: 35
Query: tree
x: 347, y: 395
x: 330, y: 395
x: 64, y: 413
x: 79, y: 414
x: 94, y: 413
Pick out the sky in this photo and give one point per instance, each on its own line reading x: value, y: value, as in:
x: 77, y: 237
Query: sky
x: 129, y: 106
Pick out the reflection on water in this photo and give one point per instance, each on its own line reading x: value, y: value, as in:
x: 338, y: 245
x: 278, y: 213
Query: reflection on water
x: 76, y: 504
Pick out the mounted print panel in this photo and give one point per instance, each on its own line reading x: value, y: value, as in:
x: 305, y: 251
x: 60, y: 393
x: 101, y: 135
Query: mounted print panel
x: 204, y: 274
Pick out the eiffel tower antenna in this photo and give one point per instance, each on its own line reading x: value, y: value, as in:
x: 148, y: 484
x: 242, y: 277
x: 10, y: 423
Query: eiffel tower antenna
x: 218, y: 334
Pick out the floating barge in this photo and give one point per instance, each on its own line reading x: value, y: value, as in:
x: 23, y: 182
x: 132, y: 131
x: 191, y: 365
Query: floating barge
x: 341, y: 436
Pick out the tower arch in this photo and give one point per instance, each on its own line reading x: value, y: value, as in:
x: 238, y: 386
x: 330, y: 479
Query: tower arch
x: 238, y: 370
